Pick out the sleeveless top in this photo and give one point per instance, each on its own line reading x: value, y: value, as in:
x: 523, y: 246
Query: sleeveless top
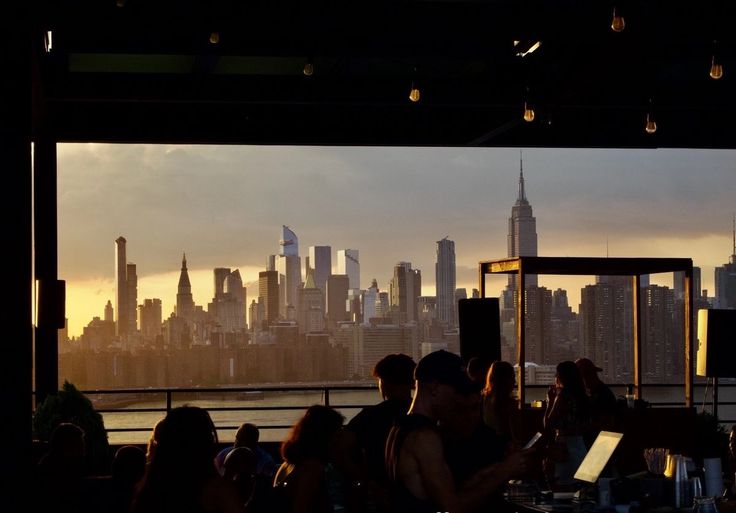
x: 402, y: 500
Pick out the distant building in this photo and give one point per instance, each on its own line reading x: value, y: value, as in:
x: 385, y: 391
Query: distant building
x: 370, y: 298
x: 311, y: 317
x: 337, y: 296
x: 228, y: 304
x: 150, y: 319
x: 131, y: 277
x: 445, y: 281
x: 184, y: 300
x: 109, y: 314
x: 348, y: 263
x: 405, y: 288
x: 522, y: 236
x: 663, y: 355
x: 268, y: 296
x: 121, y: 284
x: 320, y: 262
x: 288, y: 265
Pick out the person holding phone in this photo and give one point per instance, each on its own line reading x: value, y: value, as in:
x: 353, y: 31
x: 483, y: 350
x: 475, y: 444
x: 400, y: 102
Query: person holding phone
x: 566, y: 421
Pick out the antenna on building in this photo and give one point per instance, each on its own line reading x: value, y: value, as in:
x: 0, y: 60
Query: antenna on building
x: 733, y: 253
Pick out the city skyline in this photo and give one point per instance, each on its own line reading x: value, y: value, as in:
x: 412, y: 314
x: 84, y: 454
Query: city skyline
x: 657, y: 199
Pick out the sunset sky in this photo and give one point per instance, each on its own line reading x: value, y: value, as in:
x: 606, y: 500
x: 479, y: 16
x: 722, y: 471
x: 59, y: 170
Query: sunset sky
x: 224, y: 206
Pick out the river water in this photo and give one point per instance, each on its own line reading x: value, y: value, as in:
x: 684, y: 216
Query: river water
x: 289, y: 407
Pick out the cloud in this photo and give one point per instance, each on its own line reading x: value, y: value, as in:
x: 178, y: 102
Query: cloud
x: 224, y: 204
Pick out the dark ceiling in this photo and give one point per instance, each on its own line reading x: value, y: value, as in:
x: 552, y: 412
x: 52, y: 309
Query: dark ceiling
x: 146, y: 71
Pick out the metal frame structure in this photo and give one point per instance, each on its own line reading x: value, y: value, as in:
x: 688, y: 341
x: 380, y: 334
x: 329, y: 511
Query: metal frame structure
x: 634, y: 267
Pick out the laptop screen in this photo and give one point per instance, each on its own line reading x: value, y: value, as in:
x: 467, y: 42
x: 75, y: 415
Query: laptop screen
x: 598, y: 456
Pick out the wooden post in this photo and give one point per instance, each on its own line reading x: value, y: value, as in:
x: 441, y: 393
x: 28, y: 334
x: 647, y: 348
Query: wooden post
x: 638, y: 328
x: 520, y: 335
x: 689, y: 336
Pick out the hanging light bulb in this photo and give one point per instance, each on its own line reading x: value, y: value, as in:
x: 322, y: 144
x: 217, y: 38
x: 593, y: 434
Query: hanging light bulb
x: 214, y: 38
x: 617, y: 23
x: 414, y: 94
x: 528, y: 113
x: 716, y: 69
x: 120, y: 3
x: 651, y: 125
x: 308, y: 68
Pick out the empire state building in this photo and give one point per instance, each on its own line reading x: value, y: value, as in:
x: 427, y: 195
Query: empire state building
x: 522, y: 237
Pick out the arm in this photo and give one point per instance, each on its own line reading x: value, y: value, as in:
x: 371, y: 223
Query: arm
x: 427, y: 450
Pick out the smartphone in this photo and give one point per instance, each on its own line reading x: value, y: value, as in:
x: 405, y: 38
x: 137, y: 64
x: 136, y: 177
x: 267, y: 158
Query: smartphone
x: 534, y: 440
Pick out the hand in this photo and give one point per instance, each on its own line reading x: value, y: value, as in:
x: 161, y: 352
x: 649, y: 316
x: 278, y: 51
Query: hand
x: 551, y: 393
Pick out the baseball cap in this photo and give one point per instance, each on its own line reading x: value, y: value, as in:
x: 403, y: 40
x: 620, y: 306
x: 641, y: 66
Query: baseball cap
x: 445, y: 367
x: 585, y: 364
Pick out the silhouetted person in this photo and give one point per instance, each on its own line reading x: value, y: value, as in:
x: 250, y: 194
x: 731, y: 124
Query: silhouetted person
x: 302, y: 481
x: 153, y: 440
x: 566, y: 421
x: 181, y: 475
x: 603, y: 404
x: 240, y: 468
x: 500, y: 407
x: 114, y: 493
x: 248, y: 435
x: 368, y: 430
x: 415, y: 457
x: 59, y: 472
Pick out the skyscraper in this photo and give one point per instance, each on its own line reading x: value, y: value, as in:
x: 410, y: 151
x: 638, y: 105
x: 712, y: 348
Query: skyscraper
x: 320, y: 261
x: 109, y: 314
x: 131, y: 280
x: 288, y: 265
x: 348, y: 262
x: 311, y: 317
x: 405, y: 288
x: 369, y: 302
x: 220, y: 273
x: 268, y: 295
x: 522, y: 237
x: 121, y: 283
x: 726, y: 279
x: 445, y: 281
x: 184, y: 300
x: 151, y: 319
x: 337, y: 297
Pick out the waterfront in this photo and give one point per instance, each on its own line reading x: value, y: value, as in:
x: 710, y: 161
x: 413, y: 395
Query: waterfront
x: 283, y: 408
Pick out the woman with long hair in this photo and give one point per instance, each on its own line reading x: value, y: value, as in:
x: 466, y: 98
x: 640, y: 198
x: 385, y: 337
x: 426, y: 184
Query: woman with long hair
x: 500, y: 406
x: 566, y: 420
x: 303, y: 482
x: 181, y: 475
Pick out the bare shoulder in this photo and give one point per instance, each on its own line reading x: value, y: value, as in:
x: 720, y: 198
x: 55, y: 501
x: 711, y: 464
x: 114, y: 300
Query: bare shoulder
x: 423, y: 441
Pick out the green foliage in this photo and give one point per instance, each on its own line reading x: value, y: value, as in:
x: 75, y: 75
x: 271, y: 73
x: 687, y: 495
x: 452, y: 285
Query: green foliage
x: 70, y: 405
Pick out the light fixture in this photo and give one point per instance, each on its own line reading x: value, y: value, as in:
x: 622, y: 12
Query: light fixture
x: 308, y: 69
x: 528, y: 113
x: 414, y: 94
x: 214, y: 38
x: 120, y: 3
x: 522, y: 50
x: 651, y: 125
x: 617, y: 23
x: 48, y: 41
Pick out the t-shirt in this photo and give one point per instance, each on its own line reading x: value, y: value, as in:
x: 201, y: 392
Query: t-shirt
x: 371, y: 427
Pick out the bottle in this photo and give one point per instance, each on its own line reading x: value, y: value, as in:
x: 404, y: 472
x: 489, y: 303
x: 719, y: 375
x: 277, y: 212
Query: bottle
x: 704, y: 505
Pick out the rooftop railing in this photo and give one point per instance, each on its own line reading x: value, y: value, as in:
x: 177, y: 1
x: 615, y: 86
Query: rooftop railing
x: 130, y: 412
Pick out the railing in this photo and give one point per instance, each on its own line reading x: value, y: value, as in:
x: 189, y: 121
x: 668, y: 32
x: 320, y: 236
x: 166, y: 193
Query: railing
x: 658, y: 395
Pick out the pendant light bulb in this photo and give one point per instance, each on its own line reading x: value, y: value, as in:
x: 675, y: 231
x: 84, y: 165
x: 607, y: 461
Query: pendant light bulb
x: 716, y: 69
x: 120, y: 3
x: 651, y: 125
x: 528, y: 113
x: 214, y: 38
x: 617, y: 23
x: 414, y: 94
x: 308, y: 69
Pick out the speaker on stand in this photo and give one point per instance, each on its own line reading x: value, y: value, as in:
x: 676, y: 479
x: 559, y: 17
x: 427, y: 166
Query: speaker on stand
x: 479, y: 329
x: 716, y: 357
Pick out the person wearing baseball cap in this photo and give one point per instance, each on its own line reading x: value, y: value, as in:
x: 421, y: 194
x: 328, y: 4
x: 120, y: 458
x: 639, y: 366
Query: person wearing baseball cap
x: 603, y: 402
x: 420, y: 478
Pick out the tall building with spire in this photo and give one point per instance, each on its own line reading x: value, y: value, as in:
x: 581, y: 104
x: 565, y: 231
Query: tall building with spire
x: 445, y: 281
x: 184, y: 300
x: 522, y: 236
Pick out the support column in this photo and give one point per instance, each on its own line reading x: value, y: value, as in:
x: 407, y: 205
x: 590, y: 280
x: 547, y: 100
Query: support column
x: 689, y: 336
x: 638, y: 331
x: 520, y: 333
x: 16, y: 360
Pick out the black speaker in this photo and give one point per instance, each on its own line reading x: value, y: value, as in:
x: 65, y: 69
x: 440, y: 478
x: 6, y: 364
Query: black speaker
x: 479, y: 328
x: 716, y: 343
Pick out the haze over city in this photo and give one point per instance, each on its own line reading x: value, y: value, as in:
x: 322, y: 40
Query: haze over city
x: 224, y: 206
